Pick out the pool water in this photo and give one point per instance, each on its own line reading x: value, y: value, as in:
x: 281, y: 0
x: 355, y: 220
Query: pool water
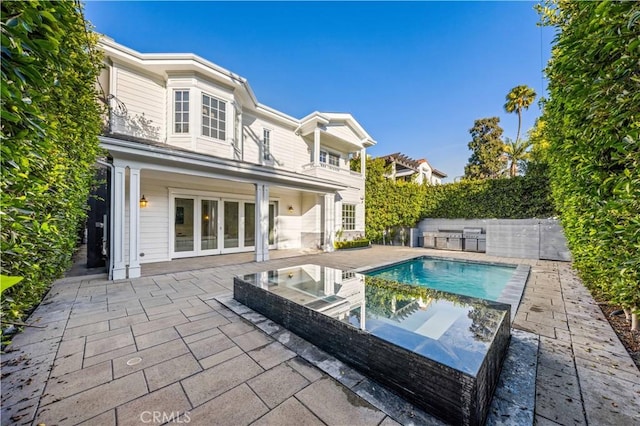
x: 479, y: 280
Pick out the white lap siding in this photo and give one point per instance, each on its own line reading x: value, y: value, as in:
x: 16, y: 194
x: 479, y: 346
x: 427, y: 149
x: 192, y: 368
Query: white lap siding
x: 145, y: 102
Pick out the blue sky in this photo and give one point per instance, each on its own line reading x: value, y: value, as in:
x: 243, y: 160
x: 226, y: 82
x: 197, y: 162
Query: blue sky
x: 414, y: 74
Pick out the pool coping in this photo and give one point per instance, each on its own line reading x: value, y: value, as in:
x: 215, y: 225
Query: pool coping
x: 511, y: 294
x: 514, y: 394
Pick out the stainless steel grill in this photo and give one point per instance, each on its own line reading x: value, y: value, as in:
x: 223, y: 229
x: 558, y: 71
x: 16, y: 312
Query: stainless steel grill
x: 429, y: 239
x: 449, y: 239
x: 474, y: 240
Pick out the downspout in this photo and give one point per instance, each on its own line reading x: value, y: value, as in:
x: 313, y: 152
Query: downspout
x: 111, y: 195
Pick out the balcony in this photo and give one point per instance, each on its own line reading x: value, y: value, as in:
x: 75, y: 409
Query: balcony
x: 335, y: 173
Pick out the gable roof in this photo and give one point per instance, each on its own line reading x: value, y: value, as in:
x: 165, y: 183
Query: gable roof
x: 411, y: 163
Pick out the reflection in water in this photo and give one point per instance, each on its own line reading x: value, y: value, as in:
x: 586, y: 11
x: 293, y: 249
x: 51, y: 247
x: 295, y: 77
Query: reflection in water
x: 451, y: 329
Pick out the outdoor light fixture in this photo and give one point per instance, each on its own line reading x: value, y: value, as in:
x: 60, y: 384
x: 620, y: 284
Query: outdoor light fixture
x: 143, y: 202
x: 290, y: 209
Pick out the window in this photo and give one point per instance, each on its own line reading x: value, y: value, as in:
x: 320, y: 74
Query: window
x: 213, y: 117
x: 330, y: 158
x: 266, y: 144
x: 349, y: 217
x: 181, y: 107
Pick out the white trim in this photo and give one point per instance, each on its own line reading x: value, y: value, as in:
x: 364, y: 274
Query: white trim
x: 134, y: 223
x: 118, y: 264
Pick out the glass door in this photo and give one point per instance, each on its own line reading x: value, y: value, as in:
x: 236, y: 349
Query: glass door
x: 209, y: 226
x: 184, y: 240
x: 272, y: 225
x: 249, y: 224
x: 231, y: 224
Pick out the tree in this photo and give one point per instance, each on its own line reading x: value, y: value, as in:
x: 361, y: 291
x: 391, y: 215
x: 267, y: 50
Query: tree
x: 515, y: 153
x: 486, y: 161
x: 519, y: 98
x: 592, y: 124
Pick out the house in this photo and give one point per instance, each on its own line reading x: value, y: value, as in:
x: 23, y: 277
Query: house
x: 419, y: 171
x: 199, y: 167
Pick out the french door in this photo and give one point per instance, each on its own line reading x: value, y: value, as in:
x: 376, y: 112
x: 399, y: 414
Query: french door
x: 205, y: 226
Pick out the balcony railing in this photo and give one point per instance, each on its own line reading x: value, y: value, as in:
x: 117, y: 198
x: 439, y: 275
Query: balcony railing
x: 329, y: 167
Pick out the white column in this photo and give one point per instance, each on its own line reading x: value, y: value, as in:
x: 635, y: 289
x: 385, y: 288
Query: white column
x: 134, y: 223
x: 118, y: 266
x: 262, y: 222
x: 329, y: 221
x: 316, y: 146
x: 363, y: 161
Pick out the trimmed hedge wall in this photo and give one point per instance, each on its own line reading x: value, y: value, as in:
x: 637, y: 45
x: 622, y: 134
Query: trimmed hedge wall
x: 593, y: 128
x: 50, y: 125
x: 521, y: 197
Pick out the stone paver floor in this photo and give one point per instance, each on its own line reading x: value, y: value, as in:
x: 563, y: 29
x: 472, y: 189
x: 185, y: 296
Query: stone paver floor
x: 161, y: 348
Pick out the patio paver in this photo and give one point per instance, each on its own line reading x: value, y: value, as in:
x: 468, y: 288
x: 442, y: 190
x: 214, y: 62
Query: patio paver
x: 200, y: 358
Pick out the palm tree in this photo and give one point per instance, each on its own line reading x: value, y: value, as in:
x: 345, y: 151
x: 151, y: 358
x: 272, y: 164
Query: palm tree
x: 515, y: 152
x: 519, y: 98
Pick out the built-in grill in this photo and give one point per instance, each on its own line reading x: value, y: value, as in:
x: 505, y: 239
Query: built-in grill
x: 429, y: 239
x: 474, y: 240
x: 449, y: 239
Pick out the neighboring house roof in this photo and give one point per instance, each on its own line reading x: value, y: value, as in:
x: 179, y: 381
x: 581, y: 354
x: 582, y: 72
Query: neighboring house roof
x: 410, y: 163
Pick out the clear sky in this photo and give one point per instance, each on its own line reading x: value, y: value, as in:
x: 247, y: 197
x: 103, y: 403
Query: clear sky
x: 414, y: 74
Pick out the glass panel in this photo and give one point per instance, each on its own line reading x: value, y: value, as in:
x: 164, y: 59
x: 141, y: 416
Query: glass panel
x: 231, y: 210
x: 272, y: 224
x: 222, y: 135
x: 209, y: 234
x: 249, y: 224
x: 185, y: 128
x: 178, y: 95
x: 185, y: 95
x: 205, y: 100
x: 183, y: 222
x: 223, y: 106
x: 205, y: 131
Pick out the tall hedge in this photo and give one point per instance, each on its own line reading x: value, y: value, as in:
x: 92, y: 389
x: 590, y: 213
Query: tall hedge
x: 391, y: 204
x: 50, y: 124
x: 593, y: 126
x: 519, y: 197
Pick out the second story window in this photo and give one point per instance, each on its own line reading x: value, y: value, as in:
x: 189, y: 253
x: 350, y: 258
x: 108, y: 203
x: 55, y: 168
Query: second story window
x: 330, y: 158
x: 213, y: 117
x: 266, y: 144
x: 181, y: 110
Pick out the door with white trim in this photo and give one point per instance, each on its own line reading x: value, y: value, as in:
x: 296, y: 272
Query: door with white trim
x: 205, y: 225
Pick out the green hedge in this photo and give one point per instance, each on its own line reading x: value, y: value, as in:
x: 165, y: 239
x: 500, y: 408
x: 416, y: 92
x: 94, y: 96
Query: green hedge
x: 593, y: 127
x: 50, y: 123
x: 513, y: 198
x: 364, y: 242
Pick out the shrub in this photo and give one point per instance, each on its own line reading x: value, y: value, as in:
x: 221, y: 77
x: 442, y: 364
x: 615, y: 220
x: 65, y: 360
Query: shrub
x: 364, y: 242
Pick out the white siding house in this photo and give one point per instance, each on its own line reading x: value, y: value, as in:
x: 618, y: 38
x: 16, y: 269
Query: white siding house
x: 199, y: 167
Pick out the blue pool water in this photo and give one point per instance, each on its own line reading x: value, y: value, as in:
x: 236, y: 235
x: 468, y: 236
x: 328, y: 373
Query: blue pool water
x: 470, y: 279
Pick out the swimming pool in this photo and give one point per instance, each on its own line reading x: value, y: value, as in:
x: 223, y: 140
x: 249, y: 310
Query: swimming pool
x: 481, y: 280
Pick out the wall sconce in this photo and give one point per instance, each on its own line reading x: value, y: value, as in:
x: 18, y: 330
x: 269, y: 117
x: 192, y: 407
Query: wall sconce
x: 143, y: 202
x: 290, y: 209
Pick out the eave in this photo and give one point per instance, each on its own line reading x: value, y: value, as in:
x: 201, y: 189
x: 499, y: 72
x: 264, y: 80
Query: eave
x: 165, y: 158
